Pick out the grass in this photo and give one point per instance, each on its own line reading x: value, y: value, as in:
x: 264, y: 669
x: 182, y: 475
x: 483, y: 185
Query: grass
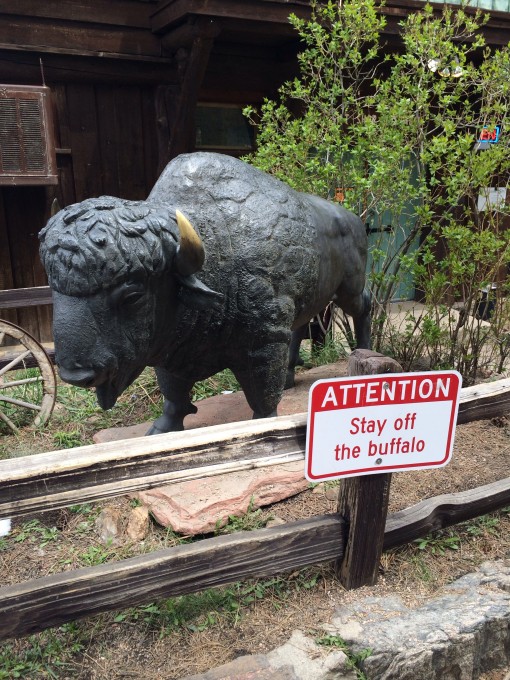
x: 45, y: 655
x: 59, y: 652
x: 332, y: 350
x: 253, y: 519
x: 225, y: 381
x: 55, y: 653
x: 198, y: 611
x: 77, y: 416
x: 448, y: 553
x: 354, y: 660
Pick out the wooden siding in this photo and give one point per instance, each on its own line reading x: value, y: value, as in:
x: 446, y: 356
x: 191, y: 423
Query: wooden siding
x: 108, y: 135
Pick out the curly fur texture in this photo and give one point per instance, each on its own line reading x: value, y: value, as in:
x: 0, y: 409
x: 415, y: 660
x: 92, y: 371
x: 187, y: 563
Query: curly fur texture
x: 104, y: 241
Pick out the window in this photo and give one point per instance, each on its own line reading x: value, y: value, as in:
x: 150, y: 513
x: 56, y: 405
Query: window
x: 27, y: 149
x: 222, y: 127
x: 495, y: 5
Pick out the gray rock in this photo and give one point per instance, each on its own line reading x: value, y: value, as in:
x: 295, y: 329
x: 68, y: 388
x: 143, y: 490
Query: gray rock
x: 459, y: 635
x: 306, y: 659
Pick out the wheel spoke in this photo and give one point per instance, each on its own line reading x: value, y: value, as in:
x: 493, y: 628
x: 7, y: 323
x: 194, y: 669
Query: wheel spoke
x: 25, y: 381
x: 8, y: 422
x: 15, y: 362
x: 18, y: 402
x: 37, y: 401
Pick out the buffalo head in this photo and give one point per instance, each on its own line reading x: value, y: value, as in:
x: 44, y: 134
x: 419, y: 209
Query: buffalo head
x: 117, y: 269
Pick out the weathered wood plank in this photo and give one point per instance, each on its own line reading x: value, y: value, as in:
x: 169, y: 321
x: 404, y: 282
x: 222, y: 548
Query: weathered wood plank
x: 130, y: 146
x: 174, y: 11
x: 110, y: 143
x: 14, y: 351
x: 119, y: 13
x: 6, y: 278
x: 444, y: 511
x: 55, y: 479
x: 80, y: 38
x: 363, y: 503
x: 60, y: 478
x: 90, y: 67
x: 56, y: 599
x: 193, y: 64
x: 25, y: 297
x: 486, y: 400
x: 83, y: 132
x: 25, y: 207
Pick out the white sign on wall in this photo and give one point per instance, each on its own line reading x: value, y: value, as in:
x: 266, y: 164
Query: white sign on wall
x: 492, y: 198
x: 382, y: 423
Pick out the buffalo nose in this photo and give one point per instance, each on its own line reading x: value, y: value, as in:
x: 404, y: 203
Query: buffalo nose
x: 80, y: 377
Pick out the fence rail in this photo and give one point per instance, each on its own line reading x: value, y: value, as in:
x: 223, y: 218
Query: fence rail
x: 48, y: 481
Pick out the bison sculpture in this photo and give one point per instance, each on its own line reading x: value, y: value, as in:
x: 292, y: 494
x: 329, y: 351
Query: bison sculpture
x: 218, y: 268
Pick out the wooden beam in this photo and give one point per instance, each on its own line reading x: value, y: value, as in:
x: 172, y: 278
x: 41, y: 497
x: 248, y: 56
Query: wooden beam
x: 67, y: 66
x: 174, y: 11
x: 176, y: 114
x: 444, y: 511
x: 56, y: 479
x: 47, y: 481
x: 25, y: 297
x: 54, y: 600
x: 77, y: 37
x: 118, y: 13
x: 181, y: 36
x: 483, y: 401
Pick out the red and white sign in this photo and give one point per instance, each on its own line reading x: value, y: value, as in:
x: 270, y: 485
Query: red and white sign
x: 381, y: 423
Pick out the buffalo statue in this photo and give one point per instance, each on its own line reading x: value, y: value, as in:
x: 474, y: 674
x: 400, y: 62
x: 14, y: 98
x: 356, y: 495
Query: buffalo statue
x: 214, y: 270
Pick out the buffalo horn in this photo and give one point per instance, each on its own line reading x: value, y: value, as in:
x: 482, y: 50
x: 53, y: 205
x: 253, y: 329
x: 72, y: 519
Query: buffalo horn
x: 190, y: 254
x: 55, y: 207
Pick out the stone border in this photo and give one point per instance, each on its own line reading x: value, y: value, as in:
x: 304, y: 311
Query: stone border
x: 461, y: 633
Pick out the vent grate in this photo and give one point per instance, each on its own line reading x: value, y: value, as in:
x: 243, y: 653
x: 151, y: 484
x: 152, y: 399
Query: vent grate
x: 27, y: 153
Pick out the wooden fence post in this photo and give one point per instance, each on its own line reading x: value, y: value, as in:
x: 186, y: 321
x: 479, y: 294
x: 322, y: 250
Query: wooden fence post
x: 363, y: 501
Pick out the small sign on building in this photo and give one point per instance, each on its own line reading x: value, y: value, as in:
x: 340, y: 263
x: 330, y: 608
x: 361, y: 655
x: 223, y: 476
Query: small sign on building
x: 382, y: 423
x: 490, y: 135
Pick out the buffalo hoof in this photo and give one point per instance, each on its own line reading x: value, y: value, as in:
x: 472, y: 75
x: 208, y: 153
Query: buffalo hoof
x: 289, y: 380
x: 273, y: 414
x: 162, y: 425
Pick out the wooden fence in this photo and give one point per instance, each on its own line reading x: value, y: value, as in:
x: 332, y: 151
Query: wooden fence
x: 58, y: 479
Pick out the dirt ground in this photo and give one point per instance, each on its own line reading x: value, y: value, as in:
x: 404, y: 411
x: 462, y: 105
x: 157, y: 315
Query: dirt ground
x: 167, y: 645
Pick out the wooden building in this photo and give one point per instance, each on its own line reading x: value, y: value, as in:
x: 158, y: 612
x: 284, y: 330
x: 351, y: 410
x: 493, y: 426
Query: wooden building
x: 131, y: 84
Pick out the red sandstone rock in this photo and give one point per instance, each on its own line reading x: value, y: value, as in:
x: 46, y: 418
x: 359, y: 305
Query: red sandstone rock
x: 200, y: 506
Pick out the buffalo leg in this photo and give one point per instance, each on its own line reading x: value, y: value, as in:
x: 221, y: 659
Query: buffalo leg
x: 177, y: 403
x: 263, y: 377
x: 357, y: 306
x: 362, y: 322
x: 295, y: 343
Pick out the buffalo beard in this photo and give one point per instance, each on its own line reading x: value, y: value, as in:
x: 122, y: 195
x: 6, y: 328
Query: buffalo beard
x: 108, y: 392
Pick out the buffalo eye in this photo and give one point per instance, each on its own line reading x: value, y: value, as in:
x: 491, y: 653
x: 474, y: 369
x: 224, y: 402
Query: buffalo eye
x: 127, y: 294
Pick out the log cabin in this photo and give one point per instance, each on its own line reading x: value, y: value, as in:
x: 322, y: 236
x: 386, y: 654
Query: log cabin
x: 98, y: 95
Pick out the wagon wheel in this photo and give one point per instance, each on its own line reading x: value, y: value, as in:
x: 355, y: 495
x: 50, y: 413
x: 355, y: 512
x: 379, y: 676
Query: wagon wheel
x: 27, y: 379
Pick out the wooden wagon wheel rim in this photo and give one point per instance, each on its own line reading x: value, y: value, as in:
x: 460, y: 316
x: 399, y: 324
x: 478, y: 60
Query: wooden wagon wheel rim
x: 49, y: 384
